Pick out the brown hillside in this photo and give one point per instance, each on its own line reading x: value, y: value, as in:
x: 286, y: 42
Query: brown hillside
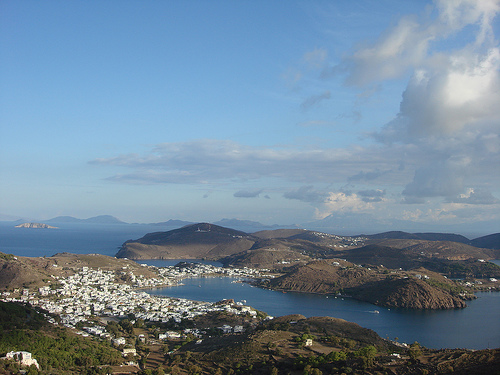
x: 25, y: 272
x: 406, y: 293
x: 195, y: 241
x: 379, y: 286
x: 322, y: 277
x: 439, y: 249
x: 270, y: 258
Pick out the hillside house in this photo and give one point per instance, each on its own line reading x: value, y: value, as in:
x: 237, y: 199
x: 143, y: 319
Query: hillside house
x: 23, y: 358
x: 128, y: 351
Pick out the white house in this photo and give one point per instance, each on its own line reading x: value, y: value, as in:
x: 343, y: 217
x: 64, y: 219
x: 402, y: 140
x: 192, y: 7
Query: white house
x: 119, y: 341
x: 23, y: 358
x: 126, y: 352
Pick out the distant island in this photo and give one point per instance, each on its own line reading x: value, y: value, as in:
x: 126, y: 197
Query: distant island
x: 35, y: 226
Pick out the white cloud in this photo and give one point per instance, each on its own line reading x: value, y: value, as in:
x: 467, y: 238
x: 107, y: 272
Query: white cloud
x: 401, y: 48
x: 410, y: 44
x: 465, y: 92
x: 455, y: 15
x: 205, y: 161
x: 340, y: 202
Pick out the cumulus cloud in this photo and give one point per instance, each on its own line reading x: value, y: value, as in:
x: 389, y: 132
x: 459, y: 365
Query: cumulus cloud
x: 340, y: 202
x: 449, y: 114
x: 464, y: 92
x: 409, y: 44
x: 247, y: 193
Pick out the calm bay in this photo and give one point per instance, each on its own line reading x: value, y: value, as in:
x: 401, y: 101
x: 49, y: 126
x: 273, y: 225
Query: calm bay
x: 474, y: 327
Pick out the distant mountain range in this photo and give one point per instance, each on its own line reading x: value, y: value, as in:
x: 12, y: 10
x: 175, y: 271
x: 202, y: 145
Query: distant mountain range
x: 333, y: 224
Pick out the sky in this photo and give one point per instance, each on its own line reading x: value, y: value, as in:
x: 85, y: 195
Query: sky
x: 357, y: 114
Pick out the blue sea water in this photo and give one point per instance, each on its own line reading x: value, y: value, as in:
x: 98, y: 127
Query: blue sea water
x: 475, y: 327
x: 75, y: 238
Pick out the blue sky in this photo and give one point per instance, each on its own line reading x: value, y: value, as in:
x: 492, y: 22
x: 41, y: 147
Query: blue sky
x: 281, y: 112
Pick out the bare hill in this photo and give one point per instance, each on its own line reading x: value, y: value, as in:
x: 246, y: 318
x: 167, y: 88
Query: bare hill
x: 195, y: 241
x: 491, y: 241
x: 378, y: 286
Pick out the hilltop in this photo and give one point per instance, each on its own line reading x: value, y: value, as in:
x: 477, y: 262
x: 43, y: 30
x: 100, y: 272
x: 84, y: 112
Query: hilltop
x: 195, y: 241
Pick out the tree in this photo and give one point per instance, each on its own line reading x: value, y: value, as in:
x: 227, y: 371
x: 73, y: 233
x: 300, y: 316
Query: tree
x: 127, y: 326
x: 112, y: 328
x: 415, y: 351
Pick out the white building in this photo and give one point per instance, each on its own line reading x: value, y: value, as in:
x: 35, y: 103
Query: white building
x: 23, y: 358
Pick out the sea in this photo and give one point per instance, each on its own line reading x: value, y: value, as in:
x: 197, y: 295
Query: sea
x: 474, y: 327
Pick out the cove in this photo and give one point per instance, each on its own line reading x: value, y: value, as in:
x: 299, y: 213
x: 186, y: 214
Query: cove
x: 474, y: 327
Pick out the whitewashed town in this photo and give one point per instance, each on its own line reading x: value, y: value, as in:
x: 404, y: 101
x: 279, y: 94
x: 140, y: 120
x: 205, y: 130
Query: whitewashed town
x: 96, y: 293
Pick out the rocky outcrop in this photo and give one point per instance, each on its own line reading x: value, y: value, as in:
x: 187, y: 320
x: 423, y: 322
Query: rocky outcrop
x: 35, y: 226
